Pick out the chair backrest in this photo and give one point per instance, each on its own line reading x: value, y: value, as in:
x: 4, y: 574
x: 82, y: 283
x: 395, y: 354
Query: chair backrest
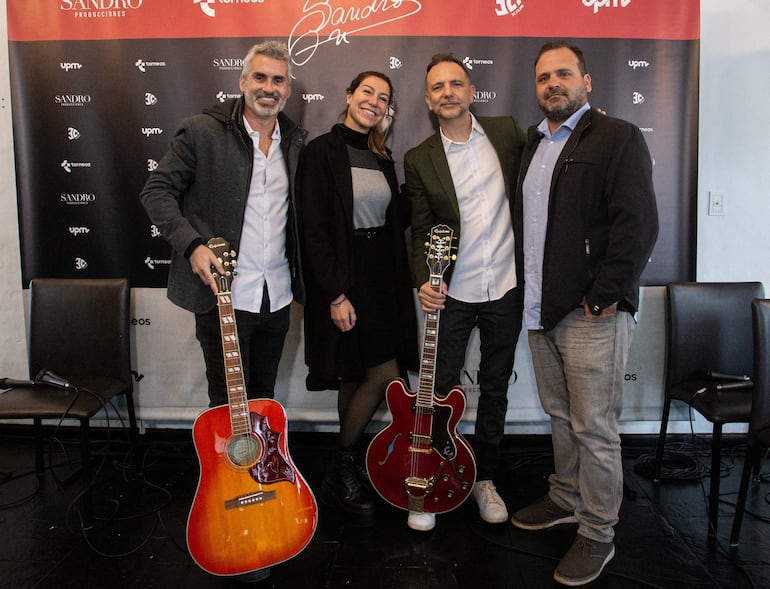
x: 709, y: 328
x: 80, y: 327
x: 759, y: 427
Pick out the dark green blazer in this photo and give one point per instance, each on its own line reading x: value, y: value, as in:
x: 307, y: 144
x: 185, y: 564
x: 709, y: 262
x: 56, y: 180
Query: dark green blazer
x: 431, y: 191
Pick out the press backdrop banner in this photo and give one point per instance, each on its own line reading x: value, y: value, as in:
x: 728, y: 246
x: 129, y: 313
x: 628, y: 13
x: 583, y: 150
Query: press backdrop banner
x: 99, y: 87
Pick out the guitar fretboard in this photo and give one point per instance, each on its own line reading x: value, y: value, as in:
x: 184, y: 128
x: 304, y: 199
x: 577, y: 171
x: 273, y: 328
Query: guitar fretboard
x: 424, y: 401
x: 236, y: 387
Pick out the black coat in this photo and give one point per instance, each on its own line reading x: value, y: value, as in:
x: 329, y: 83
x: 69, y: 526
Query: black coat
x: 602, y: 218
x: 325, y: 202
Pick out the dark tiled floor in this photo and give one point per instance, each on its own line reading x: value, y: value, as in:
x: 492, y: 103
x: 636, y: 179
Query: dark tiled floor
x: 138, y: 539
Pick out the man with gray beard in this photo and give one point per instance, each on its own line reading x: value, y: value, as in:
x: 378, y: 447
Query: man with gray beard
x: 229, y: 172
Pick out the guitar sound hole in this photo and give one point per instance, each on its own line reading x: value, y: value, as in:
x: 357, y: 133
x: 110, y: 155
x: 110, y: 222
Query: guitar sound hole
x: 244, y: 451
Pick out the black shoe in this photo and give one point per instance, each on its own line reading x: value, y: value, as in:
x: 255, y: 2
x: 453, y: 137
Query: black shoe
x: 342, y: 489
x: 253, y: 576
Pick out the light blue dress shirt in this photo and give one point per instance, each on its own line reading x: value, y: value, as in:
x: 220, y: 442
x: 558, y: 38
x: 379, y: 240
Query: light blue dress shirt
x: 537, y: 189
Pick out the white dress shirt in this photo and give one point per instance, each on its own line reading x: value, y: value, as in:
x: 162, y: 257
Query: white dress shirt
x: 262, y: 255
x: 485, y: 269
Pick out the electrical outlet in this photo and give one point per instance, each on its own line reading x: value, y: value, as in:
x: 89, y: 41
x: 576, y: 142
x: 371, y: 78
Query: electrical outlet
x: 716, y: 203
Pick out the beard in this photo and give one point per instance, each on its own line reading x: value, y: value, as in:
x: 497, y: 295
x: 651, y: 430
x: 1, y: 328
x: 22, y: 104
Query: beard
x: 261, y: 110
x: 563, y: 110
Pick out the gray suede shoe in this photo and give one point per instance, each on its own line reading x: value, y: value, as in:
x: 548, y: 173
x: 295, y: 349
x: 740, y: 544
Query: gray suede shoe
x: 541, y: 515
x: 584, y: 561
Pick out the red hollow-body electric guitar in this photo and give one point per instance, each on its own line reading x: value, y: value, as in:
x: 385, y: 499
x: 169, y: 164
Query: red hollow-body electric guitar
x: 252, y: 508
x: 419, y: 462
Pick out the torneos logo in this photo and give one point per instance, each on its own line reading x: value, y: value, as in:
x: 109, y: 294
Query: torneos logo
x: 207, y: 7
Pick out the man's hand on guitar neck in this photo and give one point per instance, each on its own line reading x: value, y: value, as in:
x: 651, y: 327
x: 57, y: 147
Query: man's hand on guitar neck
x: 430, y: 300
x: 201, y: 261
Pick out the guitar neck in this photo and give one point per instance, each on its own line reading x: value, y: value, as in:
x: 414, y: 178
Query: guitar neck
x: 236, y: 387
x: 426, y: 387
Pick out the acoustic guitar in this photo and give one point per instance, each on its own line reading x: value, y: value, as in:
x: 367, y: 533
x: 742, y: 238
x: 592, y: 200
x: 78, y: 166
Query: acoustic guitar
x: 252, y: 508
x: 419, y: 462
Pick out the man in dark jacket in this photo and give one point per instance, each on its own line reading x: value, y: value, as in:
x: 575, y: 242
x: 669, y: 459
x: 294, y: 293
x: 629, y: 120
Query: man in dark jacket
x: 585, y: 221
x: 229, y: 173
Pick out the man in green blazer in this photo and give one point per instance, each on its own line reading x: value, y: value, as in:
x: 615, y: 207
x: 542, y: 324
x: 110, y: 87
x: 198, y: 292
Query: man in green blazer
x: 461, y: 176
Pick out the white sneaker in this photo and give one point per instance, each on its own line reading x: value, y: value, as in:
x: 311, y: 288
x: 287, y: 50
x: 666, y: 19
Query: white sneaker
x: 491, y: 506
x: 421, y: 521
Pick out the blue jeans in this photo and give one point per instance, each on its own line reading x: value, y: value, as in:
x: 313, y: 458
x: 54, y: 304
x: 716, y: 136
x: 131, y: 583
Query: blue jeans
x: 580, y: 369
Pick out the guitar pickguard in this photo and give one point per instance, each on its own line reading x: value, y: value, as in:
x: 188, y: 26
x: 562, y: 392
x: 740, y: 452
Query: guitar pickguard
x: 442, y: 439
x: 272, y: 466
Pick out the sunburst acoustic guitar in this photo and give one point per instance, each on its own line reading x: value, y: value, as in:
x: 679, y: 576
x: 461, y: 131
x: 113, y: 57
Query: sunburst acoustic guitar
x: 252, y: 508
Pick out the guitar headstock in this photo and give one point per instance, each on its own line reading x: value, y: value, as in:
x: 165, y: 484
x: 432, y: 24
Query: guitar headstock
x: 439, y: 250
x: 221, y: 249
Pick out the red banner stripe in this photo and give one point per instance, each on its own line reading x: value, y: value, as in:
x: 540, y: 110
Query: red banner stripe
x: 51, y: 20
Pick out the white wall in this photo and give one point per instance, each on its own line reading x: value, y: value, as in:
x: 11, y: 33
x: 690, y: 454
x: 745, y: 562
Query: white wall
x: 13, y: 355
x: 734, y: 160
x: 734, y: 155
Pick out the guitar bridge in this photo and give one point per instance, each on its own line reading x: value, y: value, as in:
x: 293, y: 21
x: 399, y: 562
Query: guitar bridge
x: 249, y: 499
x: 418, y: 484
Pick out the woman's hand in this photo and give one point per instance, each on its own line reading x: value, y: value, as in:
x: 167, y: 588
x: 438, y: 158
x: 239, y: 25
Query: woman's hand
x: 343, y: 313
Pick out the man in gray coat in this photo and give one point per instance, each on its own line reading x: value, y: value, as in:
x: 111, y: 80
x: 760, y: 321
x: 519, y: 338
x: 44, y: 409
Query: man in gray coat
x: 229, y: 173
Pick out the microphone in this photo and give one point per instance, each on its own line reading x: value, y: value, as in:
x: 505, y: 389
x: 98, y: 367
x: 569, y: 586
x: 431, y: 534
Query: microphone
x: 723, y: 376
x: 727, y: 386
x: 50, y: 378
x: 13, y: 382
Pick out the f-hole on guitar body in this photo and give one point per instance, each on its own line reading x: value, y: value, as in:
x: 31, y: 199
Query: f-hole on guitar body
x: 419, y: 462
x: 252, y: 508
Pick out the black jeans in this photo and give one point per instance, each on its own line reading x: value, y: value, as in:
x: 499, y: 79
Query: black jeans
x: 499, y: 324
x: 261, y: 337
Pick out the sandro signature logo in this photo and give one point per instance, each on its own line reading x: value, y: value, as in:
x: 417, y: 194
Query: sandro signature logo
x: 323, y: 22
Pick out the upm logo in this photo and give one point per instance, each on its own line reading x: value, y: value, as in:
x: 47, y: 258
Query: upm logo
x: 597, y: 4
x: 508, y: 7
